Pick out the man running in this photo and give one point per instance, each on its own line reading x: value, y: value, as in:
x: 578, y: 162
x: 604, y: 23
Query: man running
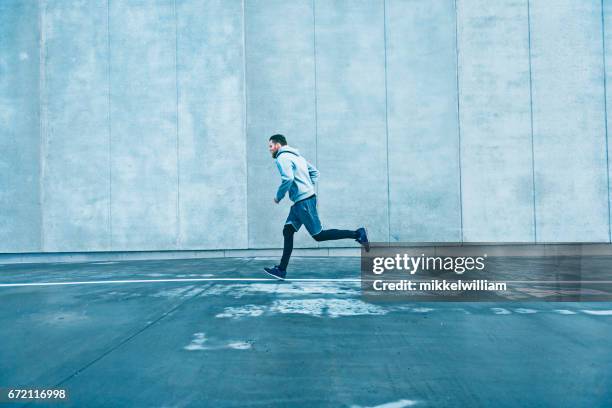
x: 298, y: 177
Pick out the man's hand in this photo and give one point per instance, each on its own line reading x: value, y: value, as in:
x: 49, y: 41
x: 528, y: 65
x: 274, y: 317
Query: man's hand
x: 275, y: 200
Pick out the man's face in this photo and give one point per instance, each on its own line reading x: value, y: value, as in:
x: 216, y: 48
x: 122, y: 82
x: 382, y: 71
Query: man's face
x: 273, y: 147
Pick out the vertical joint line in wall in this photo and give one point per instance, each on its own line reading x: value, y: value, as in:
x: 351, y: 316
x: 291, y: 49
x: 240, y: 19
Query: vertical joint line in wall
x: 387, y: 122
x: 603, y: 45
x: 110, y: 138
x: 316, y: 103
x: 178, y: 165
x: 245, y: 119
x: 535, y: 225
x: 316, y: 107
x: 42, y: 118
x: 458, y: 119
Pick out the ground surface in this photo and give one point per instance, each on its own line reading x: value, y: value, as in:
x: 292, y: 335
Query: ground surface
x: 263, y: 343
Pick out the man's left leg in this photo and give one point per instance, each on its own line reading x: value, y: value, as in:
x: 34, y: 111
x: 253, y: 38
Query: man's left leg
x: 288, y: 232
x: 292, y: 225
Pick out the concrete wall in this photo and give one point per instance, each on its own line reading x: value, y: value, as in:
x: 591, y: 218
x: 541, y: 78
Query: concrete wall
x: 20, y: 127
x: 132, y: 125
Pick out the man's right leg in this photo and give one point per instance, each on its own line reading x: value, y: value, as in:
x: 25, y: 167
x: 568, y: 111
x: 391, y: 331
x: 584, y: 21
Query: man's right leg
x: 288, y: 232
x: 311, y: 221
x: 360, y: 235
x: 333, y: 234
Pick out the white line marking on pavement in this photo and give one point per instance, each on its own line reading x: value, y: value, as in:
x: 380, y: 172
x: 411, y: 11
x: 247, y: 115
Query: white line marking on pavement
x: 598, y: 312
x: 396, y: 404
x: 102, y: 282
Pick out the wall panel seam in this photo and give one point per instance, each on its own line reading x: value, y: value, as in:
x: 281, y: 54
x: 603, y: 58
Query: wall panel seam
x: 42, y: 99
x: 316, y: 107
x: 110, y: 137
x: 245, y: 119
x: 605, y: 100
x: 535, y: 225
x: 178, y: 166
x: 387, y: 122
x: 458, y: 119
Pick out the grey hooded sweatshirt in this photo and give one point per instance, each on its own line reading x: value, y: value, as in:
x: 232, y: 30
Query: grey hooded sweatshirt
x: 298, y: 176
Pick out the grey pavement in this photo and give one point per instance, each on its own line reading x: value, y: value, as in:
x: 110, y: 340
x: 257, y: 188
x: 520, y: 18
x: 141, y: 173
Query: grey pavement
x: 264, y: 343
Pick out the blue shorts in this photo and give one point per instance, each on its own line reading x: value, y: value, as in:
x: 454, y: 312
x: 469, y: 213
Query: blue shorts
x: 304, y: 212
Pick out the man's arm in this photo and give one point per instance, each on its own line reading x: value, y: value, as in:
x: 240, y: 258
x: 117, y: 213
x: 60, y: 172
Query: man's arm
x: 286, y: 171
x: 313, y: 172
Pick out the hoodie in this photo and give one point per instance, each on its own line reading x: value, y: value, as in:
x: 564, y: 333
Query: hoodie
x: 298, y: 176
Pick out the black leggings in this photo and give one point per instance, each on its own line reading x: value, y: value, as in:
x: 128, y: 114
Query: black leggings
x: 325, y: 235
